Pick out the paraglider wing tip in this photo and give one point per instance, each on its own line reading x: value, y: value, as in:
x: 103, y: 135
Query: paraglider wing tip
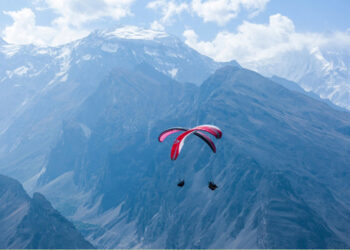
x: 174, y: 157
x: 168, y: 132
x: 219, y: 134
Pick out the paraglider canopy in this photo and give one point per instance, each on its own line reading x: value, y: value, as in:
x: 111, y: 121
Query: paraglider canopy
x: 179, y: 142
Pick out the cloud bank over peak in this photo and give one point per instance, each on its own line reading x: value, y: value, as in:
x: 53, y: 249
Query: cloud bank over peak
x: 318, y: 62
x: 68, y: 20
x: 256, y: 42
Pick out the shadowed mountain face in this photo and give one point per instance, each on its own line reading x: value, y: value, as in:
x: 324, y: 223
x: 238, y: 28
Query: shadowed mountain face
x: 281, y: 166
x: 32, y: 222
x: 41, y: 87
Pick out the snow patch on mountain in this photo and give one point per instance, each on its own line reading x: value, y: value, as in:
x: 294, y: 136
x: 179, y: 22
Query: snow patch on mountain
x: 10, y: 49
x: 30, y: 184
x: 64, y: 59
x: 150, y: 52
x: 176, y: 55
x: 86, y: 57
x: 173, y: 72
x: 49, y: 51
x: 110, y: 47
x: 133, y: 32
x: 326, y: 66
x: 20, y: 71
x: 86, y: 130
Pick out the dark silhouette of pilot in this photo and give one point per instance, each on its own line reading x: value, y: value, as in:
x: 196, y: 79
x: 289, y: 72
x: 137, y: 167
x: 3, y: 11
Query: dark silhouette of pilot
x: 181, y: 183
x: 212, y: 185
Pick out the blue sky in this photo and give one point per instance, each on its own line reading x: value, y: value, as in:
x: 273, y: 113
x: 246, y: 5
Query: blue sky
x: 206, y: 25
x: 311, y: 15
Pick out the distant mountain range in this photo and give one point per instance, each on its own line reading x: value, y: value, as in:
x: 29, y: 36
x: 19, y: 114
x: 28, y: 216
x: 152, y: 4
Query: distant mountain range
x: 79, y: 123
x: 32, y: 222
x: 324, y: 70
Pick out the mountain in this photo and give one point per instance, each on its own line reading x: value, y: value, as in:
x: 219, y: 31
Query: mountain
x: 117, y: 103
x: 42, y: 86
x: 324, y: 70
x: 281, y: 166
x: 295, y: 87
x: 32, y: 222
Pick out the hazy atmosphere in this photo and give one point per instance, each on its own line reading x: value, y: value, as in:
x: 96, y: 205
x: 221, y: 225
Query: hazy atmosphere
x: 194, y: 124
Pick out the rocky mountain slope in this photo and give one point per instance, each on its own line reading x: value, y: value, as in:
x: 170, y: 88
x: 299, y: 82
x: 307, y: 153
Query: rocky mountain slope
x: 41, y: 87
x: 281, y: 166
x: 32, y: 222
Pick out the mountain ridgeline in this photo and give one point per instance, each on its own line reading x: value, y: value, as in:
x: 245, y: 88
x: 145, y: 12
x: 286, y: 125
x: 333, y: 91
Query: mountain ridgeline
x: 41, y: 87
x: 32, y: 222
x: 282, y: 166
x: 322, y: 69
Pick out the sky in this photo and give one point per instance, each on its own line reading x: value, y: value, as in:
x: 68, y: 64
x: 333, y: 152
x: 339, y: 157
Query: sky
x: 221, y: 29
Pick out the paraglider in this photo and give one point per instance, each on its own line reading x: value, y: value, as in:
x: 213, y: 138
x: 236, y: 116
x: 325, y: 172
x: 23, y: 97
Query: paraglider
x: 180, y: 140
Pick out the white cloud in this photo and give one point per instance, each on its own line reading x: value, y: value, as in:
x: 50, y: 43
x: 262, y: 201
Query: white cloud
x: 219, y: 11
x: 25, y: 31
x: 169, y: 9
x: 318, y: 62
x: 77, y: 12
x: 68, y: 26
x: 222, y: 11
x: 155, y: 25
x: 254, y: 42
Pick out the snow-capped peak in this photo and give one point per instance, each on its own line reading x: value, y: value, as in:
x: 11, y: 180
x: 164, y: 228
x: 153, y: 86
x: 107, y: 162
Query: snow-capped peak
x: 134, y: 32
